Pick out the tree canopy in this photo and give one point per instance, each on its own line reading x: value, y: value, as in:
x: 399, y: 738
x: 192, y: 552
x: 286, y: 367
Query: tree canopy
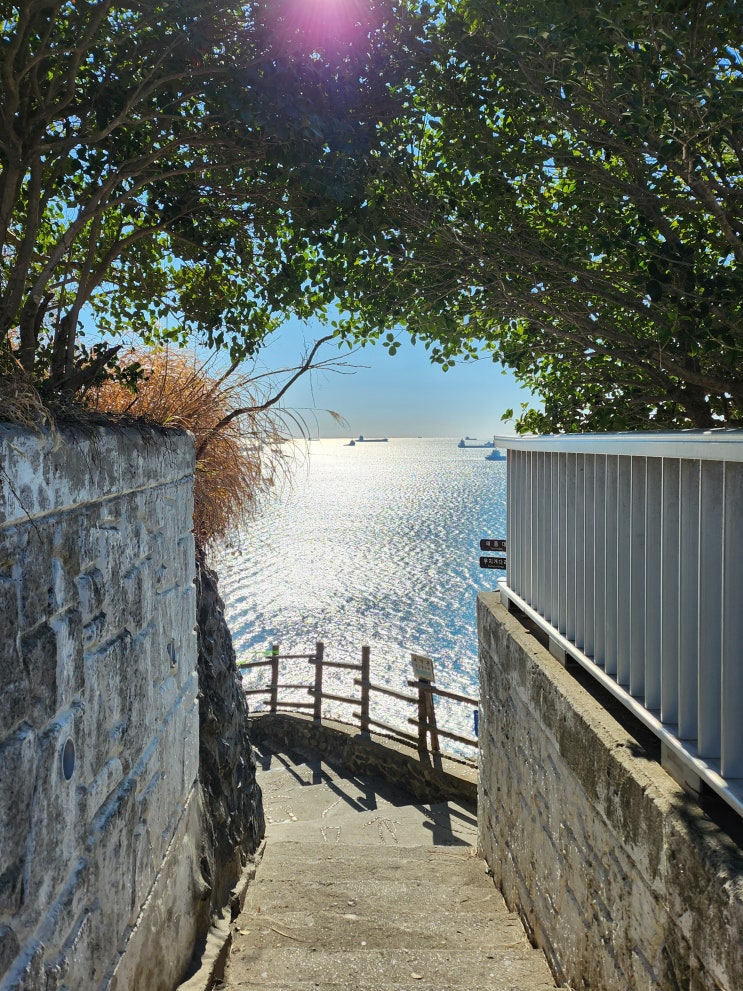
x: 565, y: 191
x: 556, y: 183
x: 160, y: 162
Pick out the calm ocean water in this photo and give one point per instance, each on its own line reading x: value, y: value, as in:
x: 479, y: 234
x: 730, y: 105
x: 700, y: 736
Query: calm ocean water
x: 374, y: 544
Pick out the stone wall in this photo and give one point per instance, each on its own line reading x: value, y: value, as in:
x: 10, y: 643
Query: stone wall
x: 100, y: 818
x: 618, y: 875
x: 234, y: 820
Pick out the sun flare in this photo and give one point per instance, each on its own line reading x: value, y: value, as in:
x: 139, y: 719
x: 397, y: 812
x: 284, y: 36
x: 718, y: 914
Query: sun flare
x: 325, y: 22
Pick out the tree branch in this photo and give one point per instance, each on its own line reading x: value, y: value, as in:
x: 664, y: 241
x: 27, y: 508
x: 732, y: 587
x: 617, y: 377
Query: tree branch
x: 306, y: 366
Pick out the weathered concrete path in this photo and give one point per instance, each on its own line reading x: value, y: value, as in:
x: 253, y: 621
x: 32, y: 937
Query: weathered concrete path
x: 360, y: 889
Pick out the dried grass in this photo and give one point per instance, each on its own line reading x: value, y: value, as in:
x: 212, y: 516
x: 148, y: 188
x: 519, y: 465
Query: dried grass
x: 238, y: 464
x: 20, y: 401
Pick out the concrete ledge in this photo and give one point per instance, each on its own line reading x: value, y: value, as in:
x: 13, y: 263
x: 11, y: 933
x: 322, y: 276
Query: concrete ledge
x: 617, y: 872
x: 213, y: 960
x: 54, y: 474
x: 431, y: 778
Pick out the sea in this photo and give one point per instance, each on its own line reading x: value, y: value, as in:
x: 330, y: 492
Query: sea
x: 373, y: 544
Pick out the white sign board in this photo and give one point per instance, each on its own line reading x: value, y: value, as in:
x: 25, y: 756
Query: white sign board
x: 422, y: 667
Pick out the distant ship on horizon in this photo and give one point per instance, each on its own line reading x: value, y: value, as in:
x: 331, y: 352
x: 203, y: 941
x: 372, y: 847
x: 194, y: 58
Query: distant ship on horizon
x: 473, y: 442
x: 371, y: 440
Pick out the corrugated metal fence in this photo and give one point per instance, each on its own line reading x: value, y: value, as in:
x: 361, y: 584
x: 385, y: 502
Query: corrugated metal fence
x: 627, y: 549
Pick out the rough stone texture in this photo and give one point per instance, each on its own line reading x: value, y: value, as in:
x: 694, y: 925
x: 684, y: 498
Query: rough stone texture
x: 235, y: 822
x: 618, y: 875
x: 98, y: 669
x: 430, y: 778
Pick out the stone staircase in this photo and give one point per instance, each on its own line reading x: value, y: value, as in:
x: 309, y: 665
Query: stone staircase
x: 358, y: 888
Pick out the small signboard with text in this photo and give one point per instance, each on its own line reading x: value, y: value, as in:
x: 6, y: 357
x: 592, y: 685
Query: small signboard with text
x: 493, y: 544
x: 422, y: 667
x: 487, y: 544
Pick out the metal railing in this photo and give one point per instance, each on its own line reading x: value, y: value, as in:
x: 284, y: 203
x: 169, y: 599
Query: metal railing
x: 627, y: 549
x: 425, y: 721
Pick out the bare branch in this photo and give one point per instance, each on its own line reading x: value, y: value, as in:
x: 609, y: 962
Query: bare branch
x: 306, y: 366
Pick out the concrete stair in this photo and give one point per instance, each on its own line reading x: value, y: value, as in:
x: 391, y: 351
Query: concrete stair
x: 360, y: 888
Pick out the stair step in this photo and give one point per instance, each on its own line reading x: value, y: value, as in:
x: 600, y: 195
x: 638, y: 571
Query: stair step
x: 368, y: 969
x: 429, y: 895
x: 360, y: 888
x: 322, y: 804
x: 384, y: 825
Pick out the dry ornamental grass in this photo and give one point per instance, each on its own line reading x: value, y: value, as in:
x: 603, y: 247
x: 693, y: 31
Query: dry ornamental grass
x: 20, y: 401
x: 238, y: 460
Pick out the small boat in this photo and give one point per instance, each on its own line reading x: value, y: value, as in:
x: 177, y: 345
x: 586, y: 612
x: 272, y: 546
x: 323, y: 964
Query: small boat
x: 496, y: 455
x: 351, y: 443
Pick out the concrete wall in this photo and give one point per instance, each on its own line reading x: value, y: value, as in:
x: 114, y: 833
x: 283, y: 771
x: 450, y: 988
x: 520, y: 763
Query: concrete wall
x: 617, y: 873
x: 99, y: 803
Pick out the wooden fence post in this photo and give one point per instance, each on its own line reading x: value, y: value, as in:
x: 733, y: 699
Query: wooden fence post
x: 431, y: 720
x: 422, y: 713
x: 365, y: 655
x: 426, y: 718
x: 274, y: 677
x: 319, y: 651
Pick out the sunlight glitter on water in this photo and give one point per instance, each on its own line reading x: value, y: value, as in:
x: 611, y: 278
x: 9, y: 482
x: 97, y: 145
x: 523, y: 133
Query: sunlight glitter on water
x: 375, y: 544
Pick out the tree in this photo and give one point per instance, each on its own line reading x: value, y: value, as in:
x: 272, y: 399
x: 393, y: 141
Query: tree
x: 159, y: 159
x: 568, y: 196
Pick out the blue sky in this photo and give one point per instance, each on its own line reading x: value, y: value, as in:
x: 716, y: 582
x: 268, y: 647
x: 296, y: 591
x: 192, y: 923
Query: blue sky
x: 399, y: 396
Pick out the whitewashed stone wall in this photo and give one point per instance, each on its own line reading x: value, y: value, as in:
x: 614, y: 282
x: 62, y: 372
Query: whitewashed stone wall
x: 617, y: 873
x: 98, y: 710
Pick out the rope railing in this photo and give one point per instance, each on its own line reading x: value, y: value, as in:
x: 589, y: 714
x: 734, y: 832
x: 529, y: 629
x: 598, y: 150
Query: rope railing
x: 425, y: 722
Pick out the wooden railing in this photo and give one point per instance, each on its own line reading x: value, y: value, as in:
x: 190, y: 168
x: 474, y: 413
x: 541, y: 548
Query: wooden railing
x: 425, y: 721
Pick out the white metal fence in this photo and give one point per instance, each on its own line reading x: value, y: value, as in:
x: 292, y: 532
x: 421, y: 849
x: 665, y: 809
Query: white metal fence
x: 627, y: 549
